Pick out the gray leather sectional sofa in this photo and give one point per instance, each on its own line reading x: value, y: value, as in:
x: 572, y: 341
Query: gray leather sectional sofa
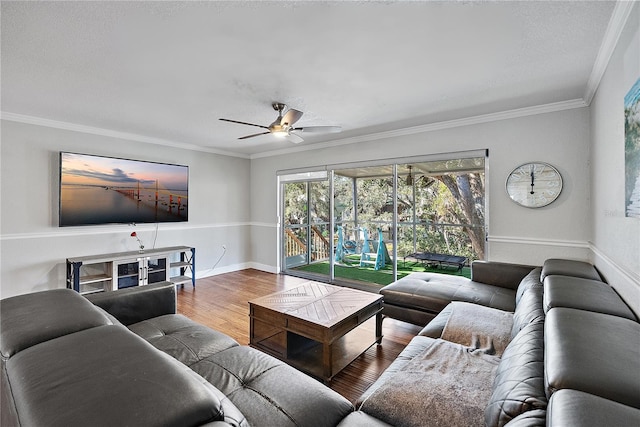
x: 567, y: 353
x: 129, y: 360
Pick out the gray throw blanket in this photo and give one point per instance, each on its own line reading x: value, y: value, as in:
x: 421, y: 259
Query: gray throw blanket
x: 484, y: 328
x: 446, y: 385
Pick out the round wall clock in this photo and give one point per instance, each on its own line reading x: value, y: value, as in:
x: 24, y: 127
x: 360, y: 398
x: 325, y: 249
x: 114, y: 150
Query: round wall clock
x: 534, y: 185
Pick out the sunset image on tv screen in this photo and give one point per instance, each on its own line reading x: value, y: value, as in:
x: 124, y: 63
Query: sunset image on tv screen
x: 103, y: 190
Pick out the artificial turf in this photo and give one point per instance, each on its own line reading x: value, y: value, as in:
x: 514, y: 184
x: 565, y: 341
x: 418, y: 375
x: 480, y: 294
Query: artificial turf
x: 384, y: 276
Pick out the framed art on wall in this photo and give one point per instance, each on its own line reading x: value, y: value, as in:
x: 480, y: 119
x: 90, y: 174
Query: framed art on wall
x: 632, y: 151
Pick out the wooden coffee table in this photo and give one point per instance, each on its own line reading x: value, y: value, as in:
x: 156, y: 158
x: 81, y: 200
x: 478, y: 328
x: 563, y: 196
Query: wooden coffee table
x: 315, y: 327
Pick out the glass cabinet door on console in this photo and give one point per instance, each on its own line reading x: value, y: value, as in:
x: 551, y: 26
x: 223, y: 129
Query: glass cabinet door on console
x: 142, y: 271
x: 156, y: 270
x: 127, y: 274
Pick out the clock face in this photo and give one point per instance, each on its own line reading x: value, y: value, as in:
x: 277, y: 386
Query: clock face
x: 534, y: 185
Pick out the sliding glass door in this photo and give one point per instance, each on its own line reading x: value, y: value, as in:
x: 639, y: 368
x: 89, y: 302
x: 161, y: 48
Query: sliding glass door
x: 364, y: 224
x: 388, y: 220
x: 305, y: 224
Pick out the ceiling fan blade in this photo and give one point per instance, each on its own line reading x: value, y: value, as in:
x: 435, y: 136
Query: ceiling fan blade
x: 244, y: 123
x: 291, y: 117
x: 296, y: 139
x: 255, y: 134
x: 318, y: 129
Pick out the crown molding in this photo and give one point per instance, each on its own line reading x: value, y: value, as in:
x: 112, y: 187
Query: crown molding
x: 38, y: 121
x: 616, y: 25
x: 412, y: 130
x: 619, y: 17
x: 431, y: 127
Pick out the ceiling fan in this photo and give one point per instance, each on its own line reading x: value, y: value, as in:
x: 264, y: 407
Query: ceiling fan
x: 283, y: 125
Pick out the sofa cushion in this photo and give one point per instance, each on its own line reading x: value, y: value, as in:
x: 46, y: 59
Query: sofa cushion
x: 518, y: 386
x: 271, y: 393
x: 567, y: 267
x: 526, y: 311
x: 483, y: 328
x: 585, y: 294
x: 107, y: 376
x: 593, y: 352
x: 497, y: 326
x: 575, y: 408
x: 34, y: 318
x: 182, y: 338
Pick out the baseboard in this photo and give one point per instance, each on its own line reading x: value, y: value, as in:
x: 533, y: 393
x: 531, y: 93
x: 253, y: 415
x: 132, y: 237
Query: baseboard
x: 235, y: 267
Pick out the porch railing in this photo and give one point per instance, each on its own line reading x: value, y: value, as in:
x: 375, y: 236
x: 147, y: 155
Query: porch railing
x: 320, y: 247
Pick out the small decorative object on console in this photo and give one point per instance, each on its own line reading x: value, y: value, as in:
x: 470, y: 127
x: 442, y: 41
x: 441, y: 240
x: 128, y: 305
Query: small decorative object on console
x: 134, y: 234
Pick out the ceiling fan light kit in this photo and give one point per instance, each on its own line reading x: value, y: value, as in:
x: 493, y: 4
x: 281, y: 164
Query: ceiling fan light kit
x: 282, y: 126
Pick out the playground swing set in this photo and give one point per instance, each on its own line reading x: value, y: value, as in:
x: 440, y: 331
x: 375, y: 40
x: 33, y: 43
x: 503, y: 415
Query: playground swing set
x: 378, y: 257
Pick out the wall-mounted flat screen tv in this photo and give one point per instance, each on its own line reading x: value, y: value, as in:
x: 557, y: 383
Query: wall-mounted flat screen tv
x: 105, y: 190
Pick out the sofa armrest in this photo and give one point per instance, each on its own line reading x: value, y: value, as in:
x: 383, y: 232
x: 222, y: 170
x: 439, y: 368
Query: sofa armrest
x: 504, y: 275
x: 133, y: 305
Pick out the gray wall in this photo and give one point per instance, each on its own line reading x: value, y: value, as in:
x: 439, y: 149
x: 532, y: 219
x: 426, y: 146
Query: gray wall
x: 34, y: 248
x: 516, y: 234
x: 615, y: 238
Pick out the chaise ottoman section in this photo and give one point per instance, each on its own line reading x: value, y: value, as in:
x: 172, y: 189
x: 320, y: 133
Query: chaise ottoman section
x: 419, y: 297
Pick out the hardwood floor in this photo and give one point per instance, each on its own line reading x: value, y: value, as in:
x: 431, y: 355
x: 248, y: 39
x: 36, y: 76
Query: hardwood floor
x: 221, y: 302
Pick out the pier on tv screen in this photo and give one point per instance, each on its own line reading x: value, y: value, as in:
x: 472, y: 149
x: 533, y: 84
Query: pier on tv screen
x: 105, y: 190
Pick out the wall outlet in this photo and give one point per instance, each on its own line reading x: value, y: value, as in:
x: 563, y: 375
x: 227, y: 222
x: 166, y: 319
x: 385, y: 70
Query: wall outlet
x: 224, y: 247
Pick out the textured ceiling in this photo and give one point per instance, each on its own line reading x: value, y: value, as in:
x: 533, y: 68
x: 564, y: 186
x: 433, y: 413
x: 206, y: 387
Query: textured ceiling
x: 169, y: 70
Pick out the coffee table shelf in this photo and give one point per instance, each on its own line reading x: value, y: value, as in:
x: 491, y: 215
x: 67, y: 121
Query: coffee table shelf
x: 317, y: 328
x: 308, y: 353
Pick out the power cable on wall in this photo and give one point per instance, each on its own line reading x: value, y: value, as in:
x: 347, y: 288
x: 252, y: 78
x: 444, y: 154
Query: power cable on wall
x: 224, y: 251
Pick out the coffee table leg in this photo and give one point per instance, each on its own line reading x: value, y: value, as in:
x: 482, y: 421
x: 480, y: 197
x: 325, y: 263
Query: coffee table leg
x: 327, y: 351
x: 379, y: 328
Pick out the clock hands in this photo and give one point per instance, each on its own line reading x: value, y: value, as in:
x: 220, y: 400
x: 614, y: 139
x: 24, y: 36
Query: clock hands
x: 532, y: 179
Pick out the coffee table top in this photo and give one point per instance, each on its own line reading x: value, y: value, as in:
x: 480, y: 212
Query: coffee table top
x: 319, y: 303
